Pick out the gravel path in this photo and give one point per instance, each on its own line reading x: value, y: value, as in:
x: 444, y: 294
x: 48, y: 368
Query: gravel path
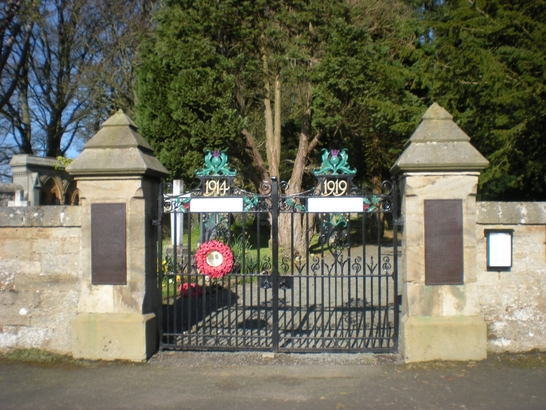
x: 237, y: 359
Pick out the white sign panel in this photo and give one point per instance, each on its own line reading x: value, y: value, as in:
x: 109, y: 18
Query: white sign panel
x: 500, y: 250
x: 341, y: 205
x: 216, y: 205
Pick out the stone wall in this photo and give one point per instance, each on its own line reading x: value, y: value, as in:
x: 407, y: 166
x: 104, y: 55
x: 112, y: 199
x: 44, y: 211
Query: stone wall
x: 40, y: 276
x: 513, y: 302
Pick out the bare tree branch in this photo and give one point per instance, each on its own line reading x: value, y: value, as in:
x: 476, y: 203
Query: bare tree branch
x: 15, y: 32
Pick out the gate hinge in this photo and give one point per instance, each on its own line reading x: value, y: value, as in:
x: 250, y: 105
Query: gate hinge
x: 157, y: 222
x: 398, y: 221
x: 399, y: 300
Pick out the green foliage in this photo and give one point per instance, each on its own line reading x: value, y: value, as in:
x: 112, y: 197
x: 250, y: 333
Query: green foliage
x: 364, y: 85
x: 64, y: 162
x: 202, y: 79
x: 186, y: 87
x: 367, y: 70
x: 241, y: 246
x: 40, y: 357
x: 485, y: 62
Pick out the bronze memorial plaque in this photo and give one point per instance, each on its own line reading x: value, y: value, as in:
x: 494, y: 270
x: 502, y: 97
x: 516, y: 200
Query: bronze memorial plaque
x: 444, y: 242
x: 108, y: 244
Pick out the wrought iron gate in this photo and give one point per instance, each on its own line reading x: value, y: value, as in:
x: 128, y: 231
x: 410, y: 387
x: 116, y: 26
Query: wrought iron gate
x: 275, y: 271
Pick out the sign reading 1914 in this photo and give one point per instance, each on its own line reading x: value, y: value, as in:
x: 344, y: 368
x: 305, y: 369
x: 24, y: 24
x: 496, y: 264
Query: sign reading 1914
x: 216, y: 187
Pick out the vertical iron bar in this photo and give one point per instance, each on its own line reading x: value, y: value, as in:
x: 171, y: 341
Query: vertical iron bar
x: 203, y: 318
x: 190, y: 275
x: 250, y: 279
x: 300, y: 278
x: 332, y: 303
x: 385, y: 333
x: 244, y: 284
x: 258, y: 291
x: 321, y: 295
x: 346, y: 290
x: 214, y: 314
x: 360, y: 324
x: 174, y: 215
x: 395, y: 216
x: 364, y: 275
x: 275, y: 259
x: 160, y: 263
x: 313, y: 330
x: 257, y: 272
x: 379, y: 277
x: 307, y: 279
x: 322, y: 326
x: 230, y: 325
x: 171, y: 312
x: 236, y: 317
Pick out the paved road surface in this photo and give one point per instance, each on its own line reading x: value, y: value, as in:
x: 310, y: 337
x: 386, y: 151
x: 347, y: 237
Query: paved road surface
x: 191, y: 380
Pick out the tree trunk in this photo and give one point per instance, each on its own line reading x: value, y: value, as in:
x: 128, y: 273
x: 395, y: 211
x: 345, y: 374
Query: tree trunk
x: 272, y: 142
x: 261, y: 173
x: 19, y: 30
x: 377, y: 225
x: 277, y: 122
x: 291, y: 230
x: 25, y: 126
x: 269, y: 140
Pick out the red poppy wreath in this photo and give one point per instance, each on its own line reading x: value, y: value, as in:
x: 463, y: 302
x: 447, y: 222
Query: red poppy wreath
x: 214, y: 259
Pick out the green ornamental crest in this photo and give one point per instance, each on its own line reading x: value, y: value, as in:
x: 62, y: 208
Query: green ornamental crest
x: 216, y: 164
x: 334, y: 162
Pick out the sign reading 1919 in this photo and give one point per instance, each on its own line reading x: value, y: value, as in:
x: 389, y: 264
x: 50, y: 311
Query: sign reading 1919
x: 336, y: 187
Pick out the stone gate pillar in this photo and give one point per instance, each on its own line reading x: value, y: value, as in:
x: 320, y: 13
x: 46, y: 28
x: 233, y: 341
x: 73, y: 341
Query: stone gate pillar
x: 438, y: 171
x: 118, y: 178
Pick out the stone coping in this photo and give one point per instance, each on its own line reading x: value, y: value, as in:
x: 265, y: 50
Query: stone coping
x: 511, y: 213
x: 11, y: 187
x: 117, y: 150
x: 32, y: 161
x: 41, y: 216
x: 438, y: 144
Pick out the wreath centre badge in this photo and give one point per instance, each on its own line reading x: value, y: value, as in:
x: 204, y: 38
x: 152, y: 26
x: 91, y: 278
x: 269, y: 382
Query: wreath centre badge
x: 214, y: 259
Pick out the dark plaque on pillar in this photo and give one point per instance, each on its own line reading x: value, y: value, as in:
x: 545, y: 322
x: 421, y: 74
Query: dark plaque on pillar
x: 108, y: 245
x: 444, y: 242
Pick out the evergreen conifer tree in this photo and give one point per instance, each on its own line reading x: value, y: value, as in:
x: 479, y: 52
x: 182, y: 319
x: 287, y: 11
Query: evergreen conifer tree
x: 485, y: 62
